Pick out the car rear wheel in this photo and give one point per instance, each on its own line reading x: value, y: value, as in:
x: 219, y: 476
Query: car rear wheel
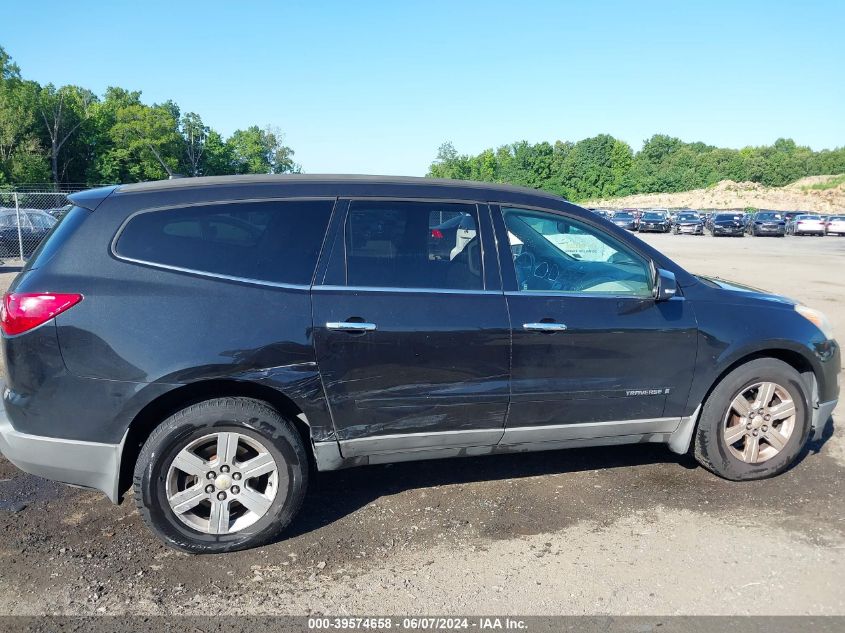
x: 755, y: 422
x: 221, y: 475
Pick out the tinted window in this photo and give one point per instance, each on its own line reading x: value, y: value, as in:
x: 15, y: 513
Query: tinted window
x: 554, y: 253
x: 413, y: 245
x: 58, y: 235
x: 266, y: 241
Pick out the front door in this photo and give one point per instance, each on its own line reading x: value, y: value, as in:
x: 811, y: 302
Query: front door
x: 413, y: 342
x: 593, y: 353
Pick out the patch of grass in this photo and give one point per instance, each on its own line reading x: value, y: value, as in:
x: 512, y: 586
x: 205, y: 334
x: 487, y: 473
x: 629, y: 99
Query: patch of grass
x: 832, y: 182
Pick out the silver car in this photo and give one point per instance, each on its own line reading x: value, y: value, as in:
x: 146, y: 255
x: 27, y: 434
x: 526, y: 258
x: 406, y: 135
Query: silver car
x: 836, y: 225
x: 806, y: 225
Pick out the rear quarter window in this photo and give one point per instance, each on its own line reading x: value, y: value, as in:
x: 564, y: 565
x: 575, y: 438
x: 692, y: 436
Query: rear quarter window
x: 59, y: 233
x: 275, y: 241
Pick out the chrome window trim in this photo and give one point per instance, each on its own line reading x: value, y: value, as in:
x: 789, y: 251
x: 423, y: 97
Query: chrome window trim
x: 353, y: 198
x: 449, y: 291
x: 579, y: 295
x: 203, y: 273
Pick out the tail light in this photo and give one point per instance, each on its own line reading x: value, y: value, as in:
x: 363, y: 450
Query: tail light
x: 22, y: 311
x: 437, y: 234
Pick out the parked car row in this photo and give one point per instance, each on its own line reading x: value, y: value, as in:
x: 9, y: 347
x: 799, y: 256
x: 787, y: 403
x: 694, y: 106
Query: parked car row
x: 725, y: 223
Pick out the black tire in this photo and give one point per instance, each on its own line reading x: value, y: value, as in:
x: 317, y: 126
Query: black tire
x: 710, y: 447
x: 251, y: 418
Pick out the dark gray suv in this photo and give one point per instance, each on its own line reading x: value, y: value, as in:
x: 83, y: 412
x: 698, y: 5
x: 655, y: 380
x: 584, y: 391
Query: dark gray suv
x: 213, y: 341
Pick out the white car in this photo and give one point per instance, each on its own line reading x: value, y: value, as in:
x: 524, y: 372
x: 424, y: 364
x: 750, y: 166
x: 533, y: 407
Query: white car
x: 807, y: 225
x: 836, y: 225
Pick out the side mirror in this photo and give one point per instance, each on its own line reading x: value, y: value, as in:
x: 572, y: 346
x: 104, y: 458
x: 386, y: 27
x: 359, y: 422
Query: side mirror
x: 665, y: 285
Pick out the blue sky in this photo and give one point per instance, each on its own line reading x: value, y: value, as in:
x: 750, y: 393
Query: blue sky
x: 375, y: 87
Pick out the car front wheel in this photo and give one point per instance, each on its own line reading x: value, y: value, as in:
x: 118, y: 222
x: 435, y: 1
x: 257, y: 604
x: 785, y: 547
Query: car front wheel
x: 221, y: 475
x: 755, y: 422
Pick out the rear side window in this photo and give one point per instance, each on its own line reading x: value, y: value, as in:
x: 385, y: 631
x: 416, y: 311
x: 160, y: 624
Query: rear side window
x: 59, y: 233
x: 413, y: 245
x: 265, y: 241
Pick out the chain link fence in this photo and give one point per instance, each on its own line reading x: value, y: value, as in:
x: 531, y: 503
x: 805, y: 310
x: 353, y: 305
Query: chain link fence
x: 25, y: 219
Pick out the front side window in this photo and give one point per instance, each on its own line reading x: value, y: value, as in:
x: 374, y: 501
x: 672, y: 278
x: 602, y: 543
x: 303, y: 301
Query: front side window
x: 559, y: 254
x: 265, y: 241
x: 413, y: 245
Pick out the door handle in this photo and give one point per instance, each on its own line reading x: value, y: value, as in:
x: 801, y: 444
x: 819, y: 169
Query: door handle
x: 544, y: 327
x: 351, y: 326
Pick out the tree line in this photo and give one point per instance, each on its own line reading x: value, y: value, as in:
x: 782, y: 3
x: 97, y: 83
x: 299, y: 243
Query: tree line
x: 69, y: 135
x: 604, y: 166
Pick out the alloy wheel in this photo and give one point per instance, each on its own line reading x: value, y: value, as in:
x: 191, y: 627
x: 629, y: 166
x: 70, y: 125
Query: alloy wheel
x: 759, y: 422
x: 223, y: 482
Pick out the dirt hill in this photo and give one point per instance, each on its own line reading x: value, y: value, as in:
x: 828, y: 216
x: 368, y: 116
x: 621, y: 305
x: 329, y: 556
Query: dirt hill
x: 822, y: 194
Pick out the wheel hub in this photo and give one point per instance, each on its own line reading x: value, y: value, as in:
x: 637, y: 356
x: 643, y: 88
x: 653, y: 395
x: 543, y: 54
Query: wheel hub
x: 223, y: 482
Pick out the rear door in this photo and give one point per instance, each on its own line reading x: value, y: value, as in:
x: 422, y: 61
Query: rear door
x: 593, y: 353
x: 413, y: 336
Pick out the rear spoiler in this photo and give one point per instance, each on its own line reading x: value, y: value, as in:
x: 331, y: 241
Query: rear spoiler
x: 91, y: 198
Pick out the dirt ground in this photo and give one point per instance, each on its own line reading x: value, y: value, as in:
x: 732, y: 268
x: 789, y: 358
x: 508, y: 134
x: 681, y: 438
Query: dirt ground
x: 819, y: 194
x: 623, y: 530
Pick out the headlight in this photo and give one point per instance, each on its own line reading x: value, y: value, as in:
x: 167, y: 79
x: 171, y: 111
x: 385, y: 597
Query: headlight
x: 817, y: 318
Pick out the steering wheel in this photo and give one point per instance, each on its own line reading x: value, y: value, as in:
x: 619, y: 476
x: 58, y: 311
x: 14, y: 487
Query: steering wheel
x: 524, y: 266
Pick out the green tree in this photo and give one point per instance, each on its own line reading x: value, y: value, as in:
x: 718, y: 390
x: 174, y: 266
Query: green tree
x: 217, y: 155
x: 147, y: 143
x: 195, y: 137
x: 257, y: 151
x: 63, y: 111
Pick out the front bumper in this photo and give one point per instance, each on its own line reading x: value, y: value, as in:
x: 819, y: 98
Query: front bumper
x: 696, y: 229
x: 728, y: 230
x: 86, y: 464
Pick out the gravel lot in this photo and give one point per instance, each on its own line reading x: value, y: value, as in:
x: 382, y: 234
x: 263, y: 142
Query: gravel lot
x: 624, y: 530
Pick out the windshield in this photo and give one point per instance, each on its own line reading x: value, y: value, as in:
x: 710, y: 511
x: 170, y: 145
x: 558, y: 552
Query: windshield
x: 728, y: 216
x: 687, y: 216
x: 809, y: 217
x: 623, y: 215
x: 653, y: 216
x: 769, y: 216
